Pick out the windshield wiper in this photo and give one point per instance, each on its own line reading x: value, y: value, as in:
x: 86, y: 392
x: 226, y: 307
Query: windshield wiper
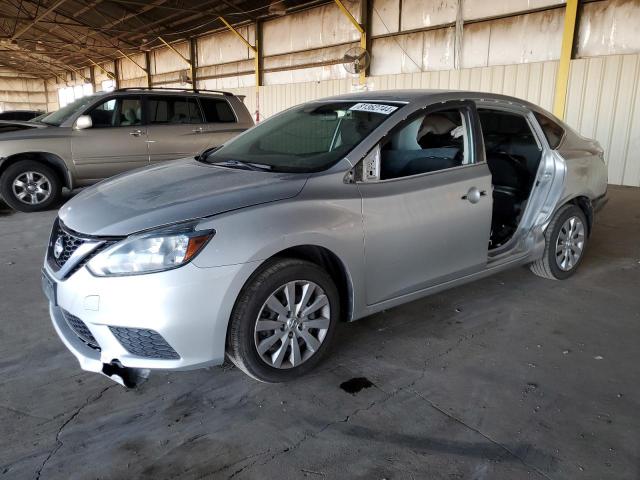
x: 202, y: 157
x: 260, y: 167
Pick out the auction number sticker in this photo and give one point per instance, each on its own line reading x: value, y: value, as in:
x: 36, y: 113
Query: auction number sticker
x: 374, y: 108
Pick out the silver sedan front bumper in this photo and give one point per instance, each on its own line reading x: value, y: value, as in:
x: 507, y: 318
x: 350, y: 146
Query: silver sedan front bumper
x: 172, y: 320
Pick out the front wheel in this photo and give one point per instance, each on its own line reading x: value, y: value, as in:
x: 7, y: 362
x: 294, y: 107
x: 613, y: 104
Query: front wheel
x: 283, y: 320
x: 565, y: 242
x: 30, y: 186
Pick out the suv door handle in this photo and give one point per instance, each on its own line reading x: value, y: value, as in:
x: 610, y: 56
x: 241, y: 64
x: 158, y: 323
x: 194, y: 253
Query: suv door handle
x: 197, y: 130
x: 135, y: 133
x: 474, y: 195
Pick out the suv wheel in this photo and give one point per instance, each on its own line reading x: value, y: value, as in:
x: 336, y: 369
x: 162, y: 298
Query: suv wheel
x: 30, y: 186
x: 565, y: 241
x: 283, y: 320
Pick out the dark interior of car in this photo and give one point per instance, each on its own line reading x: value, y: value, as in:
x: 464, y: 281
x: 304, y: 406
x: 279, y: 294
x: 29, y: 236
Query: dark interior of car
x: 513, y: 156
x: 426, y: 144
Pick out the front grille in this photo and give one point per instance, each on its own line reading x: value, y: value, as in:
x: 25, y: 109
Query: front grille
x: 70, y: 244
x: 81, y: 330
x: 144, y: 343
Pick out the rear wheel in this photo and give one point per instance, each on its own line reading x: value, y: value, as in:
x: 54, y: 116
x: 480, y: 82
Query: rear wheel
x: 30, y: 186
x: 565, y: 242
x: 283, y: 321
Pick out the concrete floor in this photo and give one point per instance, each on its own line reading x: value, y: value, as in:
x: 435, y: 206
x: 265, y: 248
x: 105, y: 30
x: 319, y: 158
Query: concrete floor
x: 511, y: 377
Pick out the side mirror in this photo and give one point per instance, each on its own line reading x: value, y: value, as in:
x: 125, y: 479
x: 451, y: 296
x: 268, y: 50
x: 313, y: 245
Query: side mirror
x: 82, y: 122
x: 368, y: 170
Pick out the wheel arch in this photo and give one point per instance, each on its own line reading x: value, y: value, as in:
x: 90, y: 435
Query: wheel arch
x: 330, y: 262
x: 583, y: 203
x: 50, y: 159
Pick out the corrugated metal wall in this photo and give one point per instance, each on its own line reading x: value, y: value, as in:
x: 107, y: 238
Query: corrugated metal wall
x: 604, y: 103
x: 22, y: 93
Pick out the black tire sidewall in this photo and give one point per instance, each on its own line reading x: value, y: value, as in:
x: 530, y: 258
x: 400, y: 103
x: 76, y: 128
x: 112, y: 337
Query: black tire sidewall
x: 272, y: 276
x: 13, y: 171
x: 563, y: 216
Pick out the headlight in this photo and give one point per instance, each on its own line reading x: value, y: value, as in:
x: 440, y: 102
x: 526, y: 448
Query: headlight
x: 150, y: 252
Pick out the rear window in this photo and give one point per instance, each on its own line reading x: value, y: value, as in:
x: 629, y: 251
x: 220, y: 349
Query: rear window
x: 217, y: 110
x: 552, y: 131
x: 173, y: 110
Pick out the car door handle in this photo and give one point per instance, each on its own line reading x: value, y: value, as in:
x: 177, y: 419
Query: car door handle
x: 197, y: 130
x: 136, y: 133
x: 474, y: 195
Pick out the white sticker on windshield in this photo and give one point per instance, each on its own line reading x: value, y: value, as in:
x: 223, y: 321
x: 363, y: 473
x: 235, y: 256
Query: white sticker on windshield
x: 374, y: 108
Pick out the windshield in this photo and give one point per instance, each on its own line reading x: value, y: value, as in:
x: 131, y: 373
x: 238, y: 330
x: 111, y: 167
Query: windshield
x: 59, y: 116
x: 308, y: 138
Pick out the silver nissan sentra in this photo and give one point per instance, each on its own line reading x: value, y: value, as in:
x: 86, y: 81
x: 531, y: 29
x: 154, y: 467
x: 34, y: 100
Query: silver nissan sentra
x: 330, y: 211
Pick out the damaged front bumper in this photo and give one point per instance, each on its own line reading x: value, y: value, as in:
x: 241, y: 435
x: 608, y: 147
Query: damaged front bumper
x: 89, y: 357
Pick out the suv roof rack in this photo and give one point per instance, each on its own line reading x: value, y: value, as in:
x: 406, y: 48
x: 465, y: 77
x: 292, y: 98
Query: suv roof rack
x: 221, y: 92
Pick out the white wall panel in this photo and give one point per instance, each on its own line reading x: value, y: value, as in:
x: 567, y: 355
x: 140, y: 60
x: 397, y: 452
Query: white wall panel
x: 225, y: 47
x: 314, y: 28
x: 385, y: 17
x: 535, y: 37
x: 420, y: 14
x: 609, y: 27
x: 129, y: 70
x: 477, y: 9
x: 165, y: 60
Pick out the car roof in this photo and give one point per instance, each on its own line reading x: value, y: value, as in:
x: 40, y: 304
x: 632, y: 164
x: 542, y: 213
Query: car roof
x: 172, y: 91
x: 424, y: 96
x: 417, y: 95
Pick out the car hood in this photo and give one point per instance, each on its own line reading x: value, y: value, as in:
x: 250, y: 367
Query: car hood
x: 11, y: 129
x: 170, y: 193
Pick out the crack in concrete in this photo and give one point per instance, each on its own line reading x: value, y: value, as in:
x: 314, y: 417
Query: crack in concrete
x: 311, y: 435
x: 479, y: 432
x: 74, y: 415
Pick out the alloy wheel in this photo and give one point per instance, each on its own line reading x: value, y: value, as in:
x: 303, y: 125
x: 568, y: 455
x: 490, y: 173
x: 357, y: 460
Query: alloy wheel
x: 570, y: 243
x: 31, y: 188
x: 292, y: 324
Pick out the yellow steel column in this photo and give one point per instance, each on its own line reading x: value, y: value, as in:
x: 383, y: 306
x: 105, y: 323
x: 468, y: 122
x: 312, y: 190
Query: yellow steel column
x: 562, y: 76
x: 363, y: 33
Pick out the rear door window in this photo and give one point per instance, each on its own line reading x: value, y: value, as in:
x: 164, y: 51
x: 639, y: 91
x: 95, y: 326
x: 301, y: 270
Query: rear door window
x: 167, y: 110
x: 217, y: 110
x: 552, y: 131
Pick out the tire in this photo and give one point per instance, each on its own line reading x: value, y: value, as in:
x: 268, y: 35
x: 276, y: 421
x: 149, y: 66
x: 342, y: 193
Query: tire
x: 561, y: 258
x: 40, y: 186
x: 280, y: 332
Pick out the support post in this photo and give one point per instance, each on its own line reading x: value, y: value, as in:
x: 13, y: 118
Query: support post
x: 359, y: 27
x: 193, y: 54
x: 92, y: 77
x: 147, y: 62
x: 258, y: 66
x: 562, y: 76
x: 116, y: 72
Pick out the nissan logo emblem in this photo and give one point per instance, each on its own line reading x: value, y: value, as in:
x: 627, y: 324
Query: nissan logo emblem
x: 58, y: 247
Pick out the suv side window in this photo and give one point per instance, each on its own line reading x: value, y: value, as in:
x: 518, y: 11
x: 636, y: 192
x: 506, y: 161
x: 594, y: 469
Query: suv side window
x: 117, y: 112
x: 167, y: 110
x: 426, y: 143
x: 552, y: 131
x: 217, y: 110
